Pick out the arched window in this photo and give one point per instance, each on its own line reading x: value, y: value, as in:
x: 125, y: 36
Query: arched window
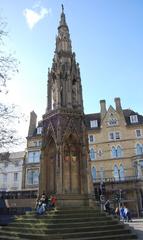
x: 121, y: 170
x: 101, y: 173
x: 93, y: 172
x: 92, y: 154
x: 119, y: 151
x: 116, y: 173
x: 113, y: 152
x: 139, y: 149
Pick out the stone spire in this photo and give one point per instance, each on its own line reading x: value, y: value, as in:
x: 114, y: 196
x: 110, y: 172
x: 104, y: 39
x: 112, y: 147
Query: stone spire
x: 63, y: 42
x: 64, y: 82
x: 63, y: 19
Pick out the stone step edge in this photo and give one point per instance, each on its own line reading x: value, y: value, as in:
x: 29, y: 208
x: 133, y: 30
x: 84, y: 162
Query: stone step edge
x: 56, y: 235
x: 121, y: 226
x: 66, y: 220
x: 110, y: 237
x: 69, y: 223
x: 42, y: 217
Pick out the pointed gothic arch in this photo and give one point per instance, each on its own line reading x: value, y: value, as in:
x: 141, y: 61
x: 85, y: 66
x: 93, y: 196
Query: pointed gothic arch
x: 116, y: 172
x: 119, y: 151
x: 122, y: 173
x: 71, y: 164
x: 50, y: 165
x: 92, y: 153
x: 139, y: 149
x: 93, y: 172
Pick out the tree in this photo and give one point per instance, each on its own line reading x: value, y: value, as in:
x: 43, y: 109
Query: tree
x: 8, y: 113
x: 8, y: 64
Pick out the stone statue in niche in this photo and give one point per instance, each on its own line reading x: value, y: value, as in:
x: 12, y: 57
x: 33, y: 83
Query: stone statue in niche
x: 54, y: 94
x: 74, y: 91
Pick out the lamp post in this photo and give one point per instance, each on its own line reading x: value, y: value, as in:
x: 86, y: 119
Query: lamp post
x: 102, y: 194
x: 120, y: 197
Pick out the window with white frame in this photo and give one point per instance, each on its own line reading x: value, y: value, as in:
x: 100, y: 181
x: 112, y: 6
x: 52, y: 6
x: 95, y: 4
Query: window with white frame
x: 116, y: 173
x: 91, y: 138
x: 139, y: 149
x: 39, y: 130
x: 138, y: 133
x: 116, y: 152
x: 101, y: 173
x: 34, y: 157
x: 111, y: 136
x: 114, y: 136
x: 119, y: 151
x: 121, y: 172
x: 117, y: 135
x: 134, y: 119
x: 5, y: 178
x: 93, y: 123
x: 15, y: 176
x: 92, y: 154
x: 32, y: 176
x: 112, y: 122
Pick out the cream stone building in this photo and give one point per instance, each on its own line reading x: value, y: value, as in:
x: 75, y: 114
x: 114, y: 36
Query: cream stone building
x: 11, y: 167
x: 31, y: 166
x: 116, y: 152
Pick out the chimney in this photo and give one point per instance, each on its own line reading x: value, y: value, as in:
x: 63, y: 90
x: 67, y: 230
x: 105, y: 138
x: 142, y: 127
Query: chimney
x: 102, y: 108
x: 33, y: 122
x: 118, y: 103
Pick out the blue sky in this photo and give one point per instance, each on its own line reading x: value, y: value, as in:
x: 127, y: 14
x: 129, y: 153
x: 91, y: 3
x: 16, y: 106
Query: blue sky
x: 107, y: 37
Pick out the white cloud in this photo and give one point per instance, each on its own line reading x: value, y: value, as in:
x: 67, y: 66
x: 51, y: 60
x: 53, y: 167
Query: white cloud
x: 33, y: 17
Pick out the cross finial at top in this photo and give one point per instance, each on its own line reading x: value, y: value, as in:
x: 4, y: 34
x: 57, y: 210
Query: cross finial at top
x: 62, y: 8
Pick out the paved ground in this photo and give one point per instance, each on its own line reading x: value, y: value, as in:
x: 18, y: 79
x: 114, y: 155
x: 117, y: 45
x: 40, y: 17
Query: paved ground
x: 137, y: 224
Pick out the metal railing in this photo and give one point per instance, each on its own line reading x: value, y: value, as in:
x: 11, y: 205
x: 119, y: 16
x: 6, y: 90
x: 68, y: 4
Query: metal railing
x: 116, y: 180
x: 18, y: 194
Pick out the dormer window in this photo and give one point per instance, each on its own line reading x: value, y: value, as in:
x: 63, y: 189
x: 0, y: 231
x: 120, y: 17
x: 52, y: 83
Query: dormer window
x: 93, y: 123
x: 39, y: 130
x: 134, y: 119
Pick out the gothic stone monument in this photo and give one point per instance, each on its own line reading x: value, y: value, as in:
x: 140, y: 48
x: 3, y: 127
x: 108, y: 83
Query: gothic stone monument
x: 64, y: 166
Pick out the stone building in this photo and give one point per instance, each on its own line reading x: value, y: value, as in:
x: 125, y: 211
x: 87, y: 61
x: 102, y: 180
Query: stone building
x: 11, y: 171
x: 31, y: 166
x: 116, y: 152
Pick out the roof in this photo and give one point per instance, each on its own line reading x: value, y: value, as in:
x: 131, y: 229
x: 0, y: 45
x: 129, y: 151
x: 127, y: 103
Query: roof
x: 127, y: 113
x: 91, y: 117
x: 15, y: 155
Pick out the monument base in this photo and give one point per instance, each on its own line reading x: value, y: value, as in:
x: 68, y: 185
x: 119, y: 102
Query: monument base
x: 75, y: 200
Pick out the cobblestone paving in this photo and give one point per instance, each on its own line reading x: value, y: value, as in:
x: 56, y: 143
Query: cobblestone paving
x: 137, y: 224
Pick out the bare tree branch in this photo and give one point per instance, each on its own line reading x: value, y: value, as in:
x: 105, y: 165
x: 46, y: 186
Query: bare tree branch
x: 9, y: 115
x: 8, y: 63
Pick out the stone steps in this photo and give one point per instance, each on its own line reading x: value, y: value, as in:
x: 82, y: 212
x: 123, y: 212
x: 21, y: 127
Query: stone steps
x: 80, y: 235
x: 77, y: 224
x: 64, y: 229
